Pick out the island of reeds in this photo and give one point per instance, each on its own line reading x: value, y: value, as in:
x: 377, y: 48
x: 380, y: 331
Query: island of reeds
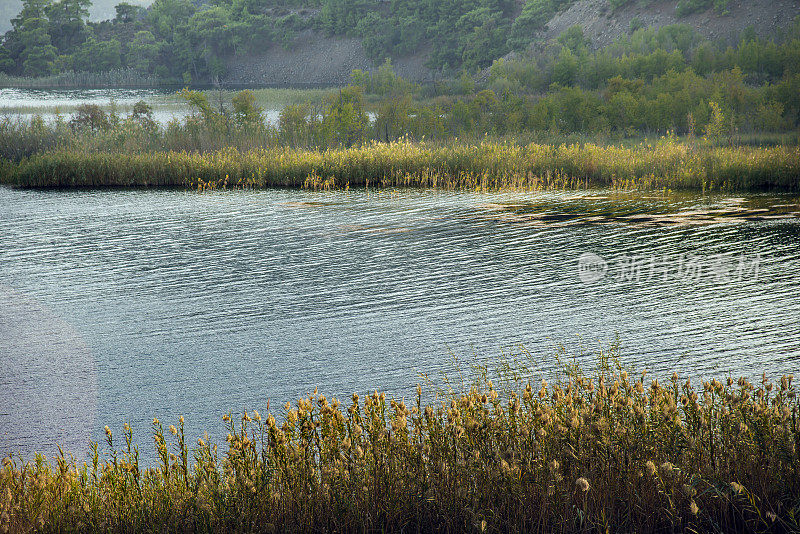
x: 336, y: 146
x: 482, y: 166
x: 606, y: 451
x: 656, y: 108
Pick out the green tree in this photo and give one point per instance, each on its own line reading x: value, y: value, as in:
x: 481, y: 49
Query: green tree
x: 717, y: 126
x: 127, y: 13
x: 90, y: 116
x: 345, y: 120
x: 293, y: 123
x: 67, y: 23
x: 143, y: 51
x: 38, y: 54
x: 98, y: 56
x: 565, y: 68
x: 394, y: 118
x: 246, y: 112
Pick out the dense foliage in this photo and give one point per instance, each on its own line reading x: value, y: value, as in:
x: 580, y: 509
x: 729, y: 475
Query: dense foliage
x: 173, y: 39
x: 605, y: 451
x: 185, y: 40
x: 653, y: 81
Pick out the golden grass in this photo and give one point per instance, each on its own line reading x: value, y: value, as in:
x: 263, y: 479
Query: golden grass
x: 486, y: 165
x: 602, y: 452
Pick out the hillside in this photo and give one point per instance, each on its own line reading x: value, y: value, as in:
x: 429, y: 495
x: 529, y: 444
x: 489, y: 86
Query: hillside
x: 317, y: 59
x: 602, y: 25
x: 319, y: 42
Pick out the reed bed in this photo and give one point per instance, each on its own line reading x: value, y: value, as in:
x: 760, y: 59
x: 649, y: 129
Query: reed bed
x: 604, y: 451
x: 71, y: 79
x: 485, y: 165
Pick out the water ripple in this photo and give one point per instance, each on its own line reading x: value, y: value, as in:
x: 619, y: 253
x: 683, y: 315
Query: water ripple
x: 198, y: 304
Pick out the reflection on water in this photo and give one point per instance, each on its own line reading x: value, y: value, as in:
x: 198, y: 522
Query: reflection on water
x: 198, y: 304
x: 647, y: 209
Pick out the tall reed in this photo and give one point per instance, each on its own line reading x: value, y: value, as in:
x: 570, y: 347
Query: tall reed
x: 484, y: 165
x: 112, y: 78
x: 601, y: 451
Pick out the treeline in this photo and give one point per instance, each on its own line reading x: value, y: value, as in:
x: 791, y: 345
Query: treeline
x: 184, y: 40
x: 652, y: 81
x: 174, y: 40
x: 668, y: 81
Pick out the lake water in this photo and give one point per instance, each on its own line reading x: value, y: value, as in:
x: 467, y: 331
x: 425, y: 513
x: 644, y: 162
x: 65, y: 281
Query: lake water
x: 23, y: 104
x: 124, y: 305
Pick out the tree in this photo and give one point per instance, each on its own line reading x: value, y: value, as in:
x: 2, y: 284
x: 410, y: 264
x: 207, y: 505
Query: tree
x: 6, y: 63
x: 127, y: 13
x: 345, y: 120
x: 533, y: 17
x: 717, y: 126
x: 574, y: 39
x: 38, y: 53
x: 566, y: 67
x: 142, y: 114
x: 246, y: 112
x: 393, y: 118
x: 90, y: 116
x: 67, y: 23
x: 99, y: 56
x: 28, y: 44
x: 482, y: 37
x: 293, y: 123
x: 143, y: 51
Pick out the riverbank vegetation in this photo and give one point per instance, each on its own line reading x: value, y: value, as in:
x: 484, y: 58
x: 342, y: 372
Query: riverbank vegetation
x: 652, y: 83
x: 334, y: 144
x: 697, y: 104
x: 598, y: 451
x: 485, y: 165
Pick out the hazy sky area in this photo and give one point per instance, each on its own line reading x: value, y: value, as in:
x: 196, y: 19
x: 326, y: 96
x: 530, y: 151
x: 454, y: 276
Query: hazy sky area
x: 100, y: 10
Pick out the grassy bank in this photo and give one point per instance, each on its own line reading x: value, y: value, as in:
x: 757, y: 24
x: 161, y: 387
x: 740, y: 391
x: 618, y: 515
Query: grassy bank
x: 83, y: 80
x: 472, y: 166
x: 605, y: 451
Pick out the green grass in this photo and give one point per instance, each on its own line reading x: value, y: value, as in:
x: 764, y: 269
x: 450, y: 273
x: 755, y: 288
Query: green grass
x: 595, y: 452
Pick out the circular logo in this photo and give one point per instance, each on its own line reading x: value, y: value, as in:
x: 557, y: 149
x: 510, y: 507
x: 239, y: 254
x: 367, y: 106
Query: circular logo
x: 591, y: 268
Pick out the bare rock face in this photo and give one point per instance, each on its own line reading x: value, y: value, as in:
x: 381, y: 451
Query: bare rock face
x: 314, y: 60
x: 602, y: 25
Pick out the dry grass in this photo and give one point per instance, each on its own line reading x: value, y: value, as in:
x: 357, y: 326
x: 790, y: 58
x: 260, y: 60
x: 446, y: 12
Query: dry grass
x: 486, y: 165
x: 605, y: 451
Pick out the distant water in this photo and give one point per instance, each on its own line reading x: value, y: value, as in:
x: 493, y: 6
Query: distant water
x: 124, y: 305
x: 23, y: 104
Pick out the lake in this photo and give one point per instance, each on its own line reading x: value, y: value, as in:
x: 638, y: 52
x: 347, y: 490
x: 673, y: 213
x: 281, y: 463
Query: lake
x: 124, y: 305
x: 24, y: 104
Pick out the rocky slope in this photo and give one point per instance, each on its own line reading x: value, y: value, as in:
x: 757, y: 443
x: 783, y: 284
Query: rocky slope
x: 602, y: 25
x: 315, y: 59
x: 320, y: 60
